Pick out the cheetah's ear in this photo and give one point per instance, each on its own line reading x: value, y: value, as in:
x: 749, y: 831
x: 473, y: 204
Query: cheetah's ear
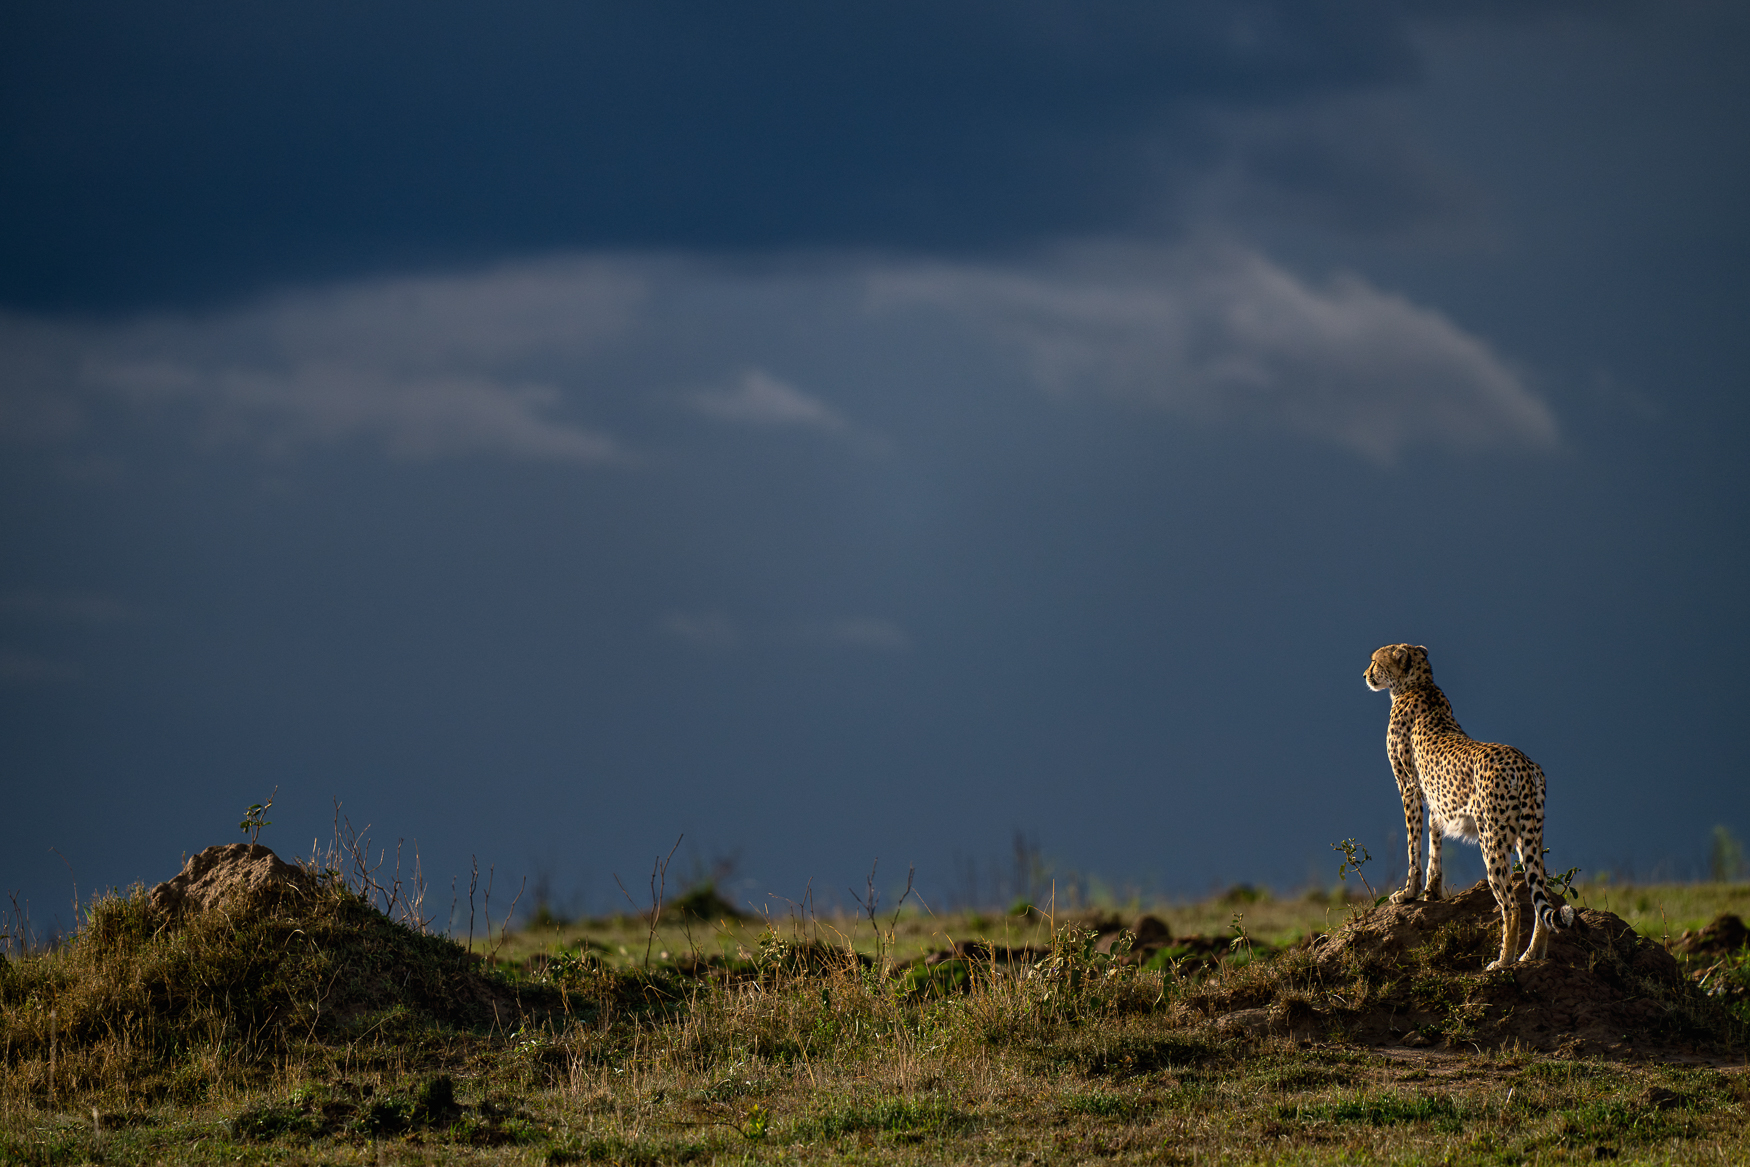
x: 1398, y: 653
x: 1421, y: 648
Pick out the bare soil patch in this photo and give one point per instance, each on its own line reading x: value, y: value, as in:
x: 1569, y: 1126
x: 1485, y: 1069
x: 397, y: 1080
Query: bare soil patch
x: 224, y: 872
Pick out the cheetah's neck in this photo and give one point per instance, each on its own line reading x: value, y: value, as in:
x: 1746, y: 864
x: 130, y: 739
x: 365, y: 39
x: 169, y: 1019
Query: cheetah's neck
x: 1424, y: 704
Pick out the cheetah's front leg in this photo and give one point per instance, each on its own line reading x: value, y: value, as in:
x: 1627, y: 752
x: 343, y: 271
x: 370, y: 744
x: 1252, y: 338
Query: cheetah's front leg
x: 1413, y: 824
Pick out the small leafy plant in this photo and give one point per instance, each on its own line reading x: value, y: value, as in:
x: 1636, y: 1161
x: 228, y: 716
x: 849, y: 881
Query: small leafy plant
x: 1354, y: 856
x: 255, y: 818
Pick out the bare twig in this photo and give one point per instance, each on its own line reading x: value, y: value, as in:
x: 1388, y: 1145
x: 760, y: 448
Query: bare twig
x: 910, y: 874
x: 872, y: 901
x: 473, y: 882
x: 18, y: 931
x: 658, y: 888
x: 504, y: 928
x: 419, y: 920
x: 394, y: 893
x: 627, y: 894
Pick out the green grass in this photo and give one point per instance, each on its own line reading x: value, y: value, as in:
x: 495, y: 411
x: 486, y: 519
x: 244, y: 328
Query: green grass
x: 1654, y: 910
x: 622, y: 940
x: 322, y: 1032
x: 1666, y: 910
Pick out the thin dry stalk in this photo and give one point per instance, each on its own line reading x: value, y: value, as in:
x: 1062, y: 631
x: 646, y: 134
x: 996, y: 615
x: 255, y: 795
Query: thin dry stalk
x: 658, y: 889
x: 473, y: 882
x: 504, y: 928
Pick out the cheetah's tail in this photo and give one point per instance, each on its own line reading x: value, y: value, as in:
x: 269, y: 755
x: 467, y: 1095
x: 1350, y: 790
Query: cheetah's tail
x: 1547, y: 913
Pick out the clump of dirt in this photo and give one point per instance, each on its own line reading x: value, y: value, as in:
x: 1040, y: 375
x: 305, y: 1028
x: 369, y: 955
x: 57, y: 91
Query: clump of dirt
x: 1726, y: 934
x: 1151, y: 945
x: 1414, y: 974
x: 1150, y: 933
x: 227, y: 872
x: 977, y: 952
x: 704, y: 903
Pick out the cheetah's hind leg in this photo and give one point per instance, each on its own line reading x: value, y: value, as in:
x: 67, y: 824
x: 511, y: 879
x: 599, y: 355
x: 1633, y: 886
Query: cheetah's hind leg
x: 1501, y: 883
x: 1545, y: 916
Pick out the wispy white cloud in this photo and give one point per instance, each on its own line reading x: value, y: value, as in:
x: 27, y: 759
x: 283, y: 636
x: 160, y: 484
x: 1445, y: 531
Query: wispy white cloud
x: 708, y: 630
x: 1222, y: 333
x: 285, y: 409
x: 759, y: 398
x: 857, y: 632
x: 501, y: 362
x: 427, y: 366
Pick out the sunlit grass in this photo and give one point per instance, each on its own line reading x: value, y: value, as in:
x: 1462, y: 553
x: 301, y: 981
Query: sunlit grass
x: 1654, y: 910
x: 326, y: 1033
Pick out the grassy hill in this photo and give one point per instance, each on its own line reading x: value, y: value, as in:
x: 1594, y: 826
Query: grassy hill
x: 312, y: 1027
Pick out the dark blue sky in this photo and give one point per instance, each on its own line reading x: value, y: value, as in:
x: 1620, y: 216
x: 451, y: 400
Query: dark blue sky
x: 866, y: 431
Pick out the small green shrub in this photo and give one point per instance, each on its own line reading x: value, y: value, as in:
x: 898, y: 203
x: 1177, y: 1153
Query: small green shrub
x: 1104, y: 1104
x: 892, y: 1115
x: 1383, y: 1110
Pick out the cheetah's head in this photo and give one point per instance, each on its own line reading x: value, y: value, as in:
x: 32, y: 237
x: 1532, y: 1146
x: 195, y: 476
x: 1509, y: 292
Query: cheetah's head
x: 1398, y: 667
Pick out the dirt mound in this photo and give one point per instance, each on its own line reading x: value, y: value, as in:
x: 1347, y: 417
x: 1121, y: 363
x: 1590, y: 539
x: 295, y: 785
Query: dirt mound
x: 977, y: 952
x: 1393, y: 930
x: 1149, y: 935
x: 1602, y: 988
x: 222, y: 872
x: 703, y: 903
x: 1726, y: 934
x: 288, y: 953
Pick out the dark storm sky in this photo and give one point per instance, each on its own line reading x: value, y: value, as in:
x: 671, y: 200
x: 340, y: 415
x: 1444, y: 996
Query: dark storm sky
x: 855, y: 431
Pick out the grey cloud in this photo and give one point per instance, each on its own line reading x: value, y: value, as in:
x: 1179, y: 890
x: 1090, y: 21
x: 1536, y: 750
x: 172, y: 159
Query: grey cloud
x: 1220, y: 333
x: 499, y: 362
x: 860, y: 632
x: 429, y: 367
x: 761, y: 399
x: 319, y: 404
x: 39, y: 359
x: 1353, y: 164
x: 706, y: 630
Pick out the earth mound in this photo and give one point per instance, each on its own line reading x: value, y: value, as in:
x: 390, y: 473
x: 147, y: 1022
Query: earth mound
x: 289, y: 952
x: 1726, y: 934
x: 220, y: 873
x: 1415, y: 975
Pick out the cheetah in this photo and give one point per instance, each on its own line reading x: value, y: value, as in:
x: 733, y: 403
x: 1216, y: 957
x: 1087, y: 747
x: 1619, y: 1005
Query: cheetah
x: 1478, y: 791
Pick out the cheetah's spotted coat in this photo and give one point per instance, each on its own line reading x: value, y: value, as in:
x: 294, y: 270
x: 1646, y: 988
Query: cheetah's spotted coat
x: 1481, y: 791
